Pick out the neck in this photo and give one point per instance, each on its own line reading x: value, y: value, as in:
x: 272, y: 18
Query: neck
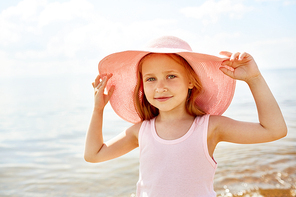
x: 173, y: 115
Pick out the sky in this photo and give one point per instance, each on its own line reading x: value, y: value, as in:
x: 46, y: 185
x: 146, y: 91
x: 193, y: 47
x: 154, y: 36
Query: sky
x: 50, y: 37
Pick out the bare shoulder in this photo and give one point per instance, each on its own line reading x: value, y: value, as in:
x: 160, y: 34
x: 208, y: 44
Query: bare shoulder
x: 214, y: 122
x: 134, y: 129
x: 220, y: 127
x: 213, y: 136
x: 220, y: 123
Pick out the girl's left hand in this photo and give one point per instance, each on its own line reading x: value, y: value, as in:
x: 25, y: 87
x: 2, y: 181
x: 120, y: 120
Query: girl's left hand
x: 243, y: 64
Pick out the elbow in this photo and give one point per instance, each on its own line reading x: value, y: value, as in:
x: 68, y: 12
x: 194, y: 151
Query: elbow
x: 87, y: 158
x: 90, y: 158
x: 281, y: 132
x: 284, y: 131
x: 93, y: 155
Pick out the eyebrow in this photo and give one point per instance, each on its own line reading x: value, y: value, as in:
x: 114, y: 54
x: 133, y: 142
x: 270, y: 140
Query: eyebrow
x: 166, y: 72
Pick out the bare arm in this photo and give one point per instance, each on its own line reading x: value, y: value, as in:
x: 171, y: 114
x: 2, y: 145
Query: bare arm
x: 271, y: 125
x: 95, y: 148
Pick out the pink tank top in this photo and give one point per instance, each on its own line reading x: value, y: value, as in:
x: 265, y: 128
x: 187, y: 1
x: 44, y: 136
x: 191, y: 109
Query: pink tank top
x: 181, y: 167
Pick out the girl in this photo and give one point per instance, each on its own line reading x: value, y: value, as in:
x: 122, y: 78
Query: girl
x: 176, y: 97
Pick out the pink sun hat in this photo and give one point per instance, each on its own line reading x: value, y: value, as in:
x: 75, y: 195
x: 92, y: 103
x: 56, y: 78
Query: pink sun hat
x: 214, y: 99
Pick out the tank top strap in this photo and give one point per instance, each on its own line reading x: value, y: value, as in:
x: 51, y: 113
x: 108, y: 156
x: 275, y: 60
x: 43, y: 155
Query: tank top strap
x: 204, y: 122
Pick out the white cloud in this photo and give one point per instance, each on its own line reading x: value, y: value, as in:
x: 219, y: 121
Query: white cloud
x: 44, y: 37
x: 51, y: 37
x: 25, y: 10
x: 213, y: 44
x: 211, y: 11
x: 7, y: 33
x: 66, y: 11
x: 284, y: 2
x: 30, y: 16
x: 18, y: 19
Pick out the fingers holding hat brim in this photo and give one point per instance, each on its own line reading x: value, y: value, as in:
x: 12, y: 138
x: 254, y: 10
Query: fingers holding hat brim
x: 101, y: 96
x: 226, y: 53
x: 227, y: 64
x: 233, y: 56
x: 227, y: 72
x: 100, y: 84
x: 100, y: 78
x: 230, y: 65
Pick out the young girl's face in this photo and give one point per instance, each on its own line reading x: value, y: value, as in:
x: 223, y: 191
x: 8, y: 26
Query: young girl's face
x: 165, y: 82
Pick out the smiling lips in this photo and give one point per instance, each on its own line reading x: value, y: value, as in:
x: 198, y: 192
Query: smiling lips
x: 163, y: 98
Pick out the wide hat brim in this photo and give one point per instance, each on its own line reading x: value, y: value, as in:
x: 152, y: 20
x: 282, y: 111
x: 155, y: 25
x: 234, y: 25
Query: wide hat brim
x: 216, y: 96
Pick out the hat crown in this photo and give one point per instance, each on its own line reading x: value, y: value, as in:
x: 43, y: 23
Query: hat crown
x: 169, y: 42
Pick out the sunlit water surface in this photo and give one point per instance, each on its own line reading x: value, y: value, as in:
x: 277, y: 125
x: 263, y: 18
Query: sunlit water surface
x: 43, y: 121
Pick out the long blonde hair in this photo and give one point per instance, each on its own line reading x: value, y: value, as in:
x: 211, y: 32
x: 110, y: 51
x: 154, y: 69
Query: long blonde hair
x: 146, y: 111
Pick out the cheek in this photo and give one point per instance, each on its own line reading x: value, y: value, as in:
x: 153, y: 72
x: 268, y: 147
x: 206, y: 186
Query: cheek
x: 178, y: 85
x: 148, y: 90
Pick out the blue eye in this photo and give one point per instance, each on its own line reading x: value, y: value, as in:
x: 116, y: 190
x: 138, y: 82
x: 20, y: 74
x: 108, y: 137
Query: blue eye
x: 171, y: 76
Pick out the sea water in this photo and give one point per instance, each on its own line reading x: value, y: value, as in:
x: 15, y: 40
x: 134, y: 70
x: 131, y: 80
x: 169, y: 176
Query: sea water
x: 43, y: 122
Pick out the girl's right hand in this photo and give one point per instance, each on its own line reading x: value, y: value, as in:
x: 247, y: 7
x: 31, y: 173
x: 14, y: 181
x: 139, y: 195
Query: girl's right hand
x: 99, y: 85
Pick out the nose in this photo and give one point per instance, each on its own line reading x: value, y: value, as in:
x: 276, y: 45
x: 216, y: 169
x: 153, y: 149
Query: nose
x: 160, y: 87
